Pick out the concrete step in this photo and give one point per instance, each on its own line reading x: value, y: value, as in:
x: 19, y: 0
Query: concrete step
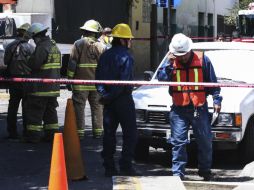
x: 205, y: 185
x: 147, y: 183
x: 174, y: 183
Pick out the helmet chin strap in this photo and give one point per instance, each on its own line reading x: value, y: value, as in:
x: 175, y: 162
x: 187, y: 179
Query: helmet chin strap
x: 125, y: 42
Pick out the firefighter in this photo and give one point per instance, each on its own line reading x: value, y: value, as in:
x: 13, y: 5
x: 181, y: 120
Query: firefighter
x: 106, y: 37
x: 16, y: 58
x: 189, y: 104
x: 45, y: 62
x: 117, y: 64
x: 82, y: 64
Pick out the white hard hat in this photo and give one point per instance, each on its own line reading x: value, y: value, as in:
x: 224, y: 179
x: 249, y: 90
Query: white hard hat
x: 92, y: 26
x: 36, y: 28
x: 180, y: 44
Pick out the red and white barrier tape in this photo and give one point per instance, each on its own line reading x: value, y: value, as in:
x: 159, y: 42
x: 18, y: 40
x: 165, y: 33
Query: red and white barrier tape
x: 169, y: 37
x: 132, y: 83
x: 192, y: 37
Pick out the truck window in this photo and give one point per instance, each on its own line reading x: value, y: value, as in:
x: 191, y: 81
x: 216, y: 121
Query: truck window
x: 246, y: 25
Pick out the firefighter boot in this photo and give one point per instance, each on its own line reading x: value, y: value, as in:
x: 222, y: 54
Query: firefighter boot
x: 49, y: 135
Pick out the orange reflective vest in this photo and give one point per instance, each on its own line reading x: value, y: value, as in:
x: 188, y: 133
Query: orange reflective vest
x: 184, y: 95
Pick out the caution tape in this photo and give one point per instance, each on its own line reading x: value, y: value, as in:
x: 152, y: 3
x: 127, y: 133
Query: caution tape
x: 246, y: 39
x: 123, y: 83
x: 169, y: 37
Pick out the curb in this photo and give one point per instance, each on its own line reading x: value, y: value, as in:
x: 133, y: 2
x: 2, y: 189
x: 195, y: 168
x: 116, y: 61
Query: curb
x: 201, y: 185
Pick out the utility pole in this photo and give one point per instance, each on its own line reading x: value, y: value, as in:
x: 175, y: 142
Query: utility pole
x: 153, y: 37
x: 154, y: 47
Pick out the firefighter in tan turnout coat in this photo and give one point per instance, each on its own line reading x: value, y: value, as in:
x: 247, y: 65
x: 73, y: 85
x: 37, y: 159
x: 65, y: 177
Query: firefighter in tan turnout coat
x: 82, y: 64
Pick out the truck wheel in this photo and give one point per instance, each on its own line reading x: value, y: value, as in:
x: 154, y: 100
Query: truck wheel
x: 247, y: 144
x: 141, y: 150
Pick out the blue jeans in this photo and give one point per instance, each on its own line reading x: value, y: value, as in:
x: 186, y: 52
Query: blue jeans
x: 180, y: 120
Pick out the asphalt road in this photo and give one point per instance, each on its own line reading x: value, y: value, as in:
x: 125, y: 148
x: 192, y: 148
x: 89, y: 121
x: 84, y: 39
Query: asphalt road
x: 26, y: 166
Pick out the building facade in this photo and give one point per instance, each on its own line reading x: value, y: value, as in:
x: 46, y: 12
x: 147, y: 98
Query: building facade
x: 195, y: 18
x: 152, y: 26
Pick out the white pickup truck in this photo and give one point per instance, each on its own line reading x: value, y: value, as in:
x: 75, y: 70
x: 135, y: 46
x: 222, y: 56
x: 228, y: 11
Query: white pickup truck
x: 234, y: 126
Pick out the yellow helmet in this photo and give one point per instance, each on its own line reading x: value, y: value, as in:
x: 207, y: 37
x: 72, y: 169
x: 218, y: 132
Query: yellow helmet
x: 122, y: 31
x: 92, y: 26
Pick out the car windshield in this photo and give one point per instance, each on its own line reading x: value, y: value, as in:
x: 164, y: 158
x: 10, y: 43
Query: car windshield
x: 233, y: 64
x: 229, y: 65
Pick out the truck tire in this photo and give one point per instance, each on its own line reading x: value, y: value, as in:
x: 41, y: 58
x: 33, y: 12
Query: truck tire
x: 247, y: 144
x: 141, y: 150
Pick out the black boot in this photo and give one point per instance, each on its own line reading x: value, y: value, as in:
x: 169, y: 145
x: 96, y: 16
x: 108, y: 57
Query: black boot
x: 109, y: 172
x: 207, y: 175
x: 129, y: 172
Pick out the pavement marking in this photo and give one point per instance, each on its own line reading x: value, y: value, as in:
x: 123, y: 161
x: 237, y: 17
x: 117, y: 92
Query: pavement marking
x: 4, y: 95
x: 137, y: 183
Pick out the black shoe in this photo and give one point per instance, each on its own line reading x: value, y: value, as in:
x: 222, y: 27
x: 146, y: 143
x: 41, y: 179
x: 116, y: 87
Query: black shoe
x: 12, y: 135
x: 207, y: 175
x: 34, y: 140
x: 129, y: 172
x: 12, y: 138
x: 110, y: 172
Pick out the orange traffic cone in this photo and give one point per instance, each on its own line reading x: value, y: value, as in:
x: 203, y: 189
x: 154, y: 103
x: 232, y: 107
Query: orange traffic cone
x: 73, y: 157
x: 58, y: 178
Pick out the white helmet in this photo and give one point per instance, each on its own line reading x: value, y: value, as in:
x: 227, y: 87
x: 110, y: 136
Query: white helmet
x: 92, y: 26
x: 180, y: 44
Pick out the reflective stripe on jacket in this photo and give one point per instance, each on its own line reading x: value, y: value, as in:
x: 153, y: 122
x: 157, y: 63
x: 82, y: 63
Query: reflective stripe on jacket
x: 83, y: 61
x: 184, y: 95
x: 45, y: 63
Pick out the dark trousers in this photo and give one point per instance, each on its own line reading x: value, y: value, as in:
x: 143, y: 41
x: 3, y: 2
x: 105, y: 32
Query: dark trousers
x: 17, y: 94
x: 120, y: 111
x: 41, y: 111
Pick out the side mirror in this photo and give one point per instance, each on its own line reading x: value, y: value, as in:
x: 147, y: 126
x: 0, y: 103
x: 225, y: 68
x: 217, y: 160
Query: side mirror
x: 148, y: 75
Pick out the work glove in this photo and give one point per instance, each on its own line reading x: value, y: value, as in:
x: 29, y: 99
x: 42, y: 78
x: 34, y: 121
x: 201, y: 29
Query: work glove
x: 69, y: 87
x: 169, y: 67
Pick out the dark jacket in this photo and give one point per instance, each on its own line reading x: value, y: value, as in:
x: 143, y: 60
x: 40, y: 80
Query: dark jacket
x: 115, y: 64
x: 45, y: 62
x: 16, y: 57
